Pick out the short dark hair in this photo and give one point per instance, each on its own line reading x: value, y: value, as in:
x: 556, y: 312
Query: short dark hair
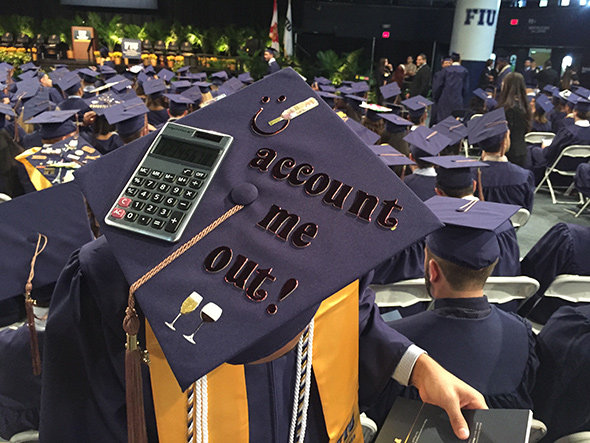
x: 456, y: 193
x: 459, y: 277
x: 423, y: 56
x: 583, y: 115
x: 131, y: 137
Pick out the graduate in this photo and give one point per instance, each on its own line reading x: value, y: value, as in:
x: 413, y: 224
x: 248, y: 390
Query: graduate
x: 38, y: 233
x: 202, y: 312
x: 424, y: 142
x: 455, y: 131
x: 179, y: 106
x: 562, y: 387
x: 562, y: 250
x: 543, y: 107
x: 89, y: 79
x: 502, y: 181
x: 71, y: 86
x: 450, y: 88
x: 459, y: 259
x: 156, y: 102
x: 130, y: 119
x: 104, y: 137
x: 480, y: 103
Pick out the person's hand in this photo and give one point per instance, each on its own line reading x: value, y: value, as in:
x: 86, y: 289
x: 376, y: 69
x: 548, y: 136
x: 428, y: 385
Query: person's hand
x: 89, y: 118
x: 441, y: 388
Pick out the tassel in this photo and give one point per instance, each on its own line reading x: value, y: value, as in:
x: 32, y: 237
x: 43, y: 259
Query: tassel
x: 136, y: 427
x: 35, y: 354
x: 479, y: 186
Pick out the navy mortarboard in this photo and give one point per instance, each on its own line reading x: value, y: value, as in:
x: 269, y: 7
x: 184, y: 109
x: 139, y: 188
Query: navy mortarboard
x: 219, y: 77
x: 26, y: 89
x: 360, y: 87
x: 183, y: 70
x: 142, y: 77
x: 394, y: 123
x: 107, y: 71
x: 287, y: 223
x: 543, y: 102
x: 5, y: 110
x: 374, y: 112
x: 58, y: 74
x: 416, y: 105
x: 149, y: 71
x: 344, y: 90
x: 88, y: 75
x: 166, y: 75
x: 426, y: 142
x: 103, y: 101
x: 154, y: 88
x: 38, y: 104
x: 468, y: 238
x: 179, y: 103
x: 390, y: 156
x: 193, y: 93
x: 488, y: 130
x: 322, y: 80
x: 181, y: 85
x: 328, y: 97
x: 327, y: 88
x: 451, y: 128
x: 128, y: 116
x: 55, y: 124
x: 583, y: 92
x: 69, y: 83
x: 454, y: 171
x: 390, y: 90
x: 27, y: 75
x: 28, y: 67
x: 365, y: 134
x: 582, y: 105
x: 489, y: 102
x: 230, y: 86
x: 551, y: 89
x: 246, y: 78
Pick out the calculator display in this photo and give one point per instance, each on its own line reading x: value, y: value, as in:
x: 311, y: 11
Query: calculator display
x: 191, y: 153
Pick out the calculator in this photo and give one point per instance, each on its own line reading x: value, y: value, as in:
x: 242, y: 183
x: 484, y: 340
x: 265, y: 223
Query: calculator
x: 164, y: 191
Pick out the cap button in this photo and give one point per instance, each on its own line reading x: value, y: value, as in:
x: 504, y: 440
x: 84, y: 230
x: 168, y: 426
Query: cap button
x: 244, y: 194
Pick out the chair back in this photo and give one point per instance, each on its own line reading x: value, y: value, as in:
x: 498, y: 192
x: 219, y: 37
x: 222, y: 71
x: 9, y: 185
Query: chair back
x: 401, y: 294
x: 505, y: 289
x: 572, y: 288
x: 538, y: 137
x: 520, y: 218
x: 578, y: 437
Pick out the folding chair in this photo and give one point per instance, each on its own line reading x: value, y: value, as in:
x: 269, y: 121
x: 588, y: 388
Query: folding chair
x: 584, y: 206
x: 578, y: 437
x: 4, y: 198
x: 537, y: 138
x: 572, y: 288
x: 401, y: 294
x: 573, y: 151
x: 538, y: 431
x: 520, y: 218
x: 25, y: 437
x: 466, y: 146
x: 501, y: 290
x: 369, y: 428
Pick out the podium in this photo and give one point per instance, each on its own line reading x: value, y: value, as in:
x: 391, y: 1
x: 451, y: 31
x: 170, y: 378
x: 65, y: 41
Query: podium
x: 82, y: 36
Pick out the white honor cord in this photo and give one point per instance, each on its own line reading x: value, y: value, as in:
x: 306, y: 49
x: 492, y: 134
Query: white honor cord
x: 301, y: 393
x: 201, y: 434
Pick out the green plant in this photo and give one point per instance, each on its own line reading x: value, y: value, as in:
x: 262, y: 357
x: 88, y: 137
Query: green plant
x: 60, y: 26
x: 155, y: 30
x: 254, y: 63
x: 329, y: 64
x: 110, y: 32
x: 134, y: 31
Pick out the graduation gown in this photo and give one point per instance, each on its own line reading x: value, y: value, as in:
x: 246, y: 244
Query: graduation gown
x: 273, y: 67
x: 509, y: 261
x: 571, y: 135
x: 405, y: 265
x: 501, y: 347
x: 156, y: 118
x: 108, y: 145
x: 422, y: 185
x: 563, y: 380
x: 84, y: 395
x: 530, y: 78
x: 449, y: 89
x: 505, y: 182
x: 500, y: 78
x: 555, y: 117
x: 562, y: 250
x: 541, y: 127
x: 582, y: 179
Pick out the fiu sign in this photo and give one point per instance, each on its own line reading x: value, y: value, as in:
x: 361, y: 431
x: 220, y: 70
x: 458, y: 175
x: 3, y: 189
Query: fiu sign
x: 480, y: 17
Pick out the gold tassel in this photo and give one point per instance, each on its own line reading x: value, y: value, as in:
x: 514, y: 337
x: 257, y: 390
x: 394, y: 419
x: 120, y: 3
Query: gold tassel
x: 35, y: 354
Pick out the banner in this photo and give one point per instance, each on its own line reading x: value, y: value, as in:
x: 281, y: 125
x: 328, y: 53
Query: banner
x: 274, y: 28
x: 288, y: 35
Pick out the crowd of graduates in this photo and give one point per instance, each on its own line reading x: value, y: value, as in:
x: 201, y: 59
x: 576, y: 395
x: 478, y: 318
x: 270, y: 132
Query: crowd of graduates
x: 463, y: 154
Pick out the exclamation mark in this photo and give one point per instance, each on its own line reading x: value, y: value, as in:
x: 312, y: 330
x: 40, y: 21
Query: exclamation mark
x: 289, y: 286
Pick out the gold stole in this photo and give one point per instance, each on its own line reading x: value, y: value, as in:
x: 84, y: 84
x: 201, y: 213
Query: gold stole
x: 39, y: 181
x: 335, y: 366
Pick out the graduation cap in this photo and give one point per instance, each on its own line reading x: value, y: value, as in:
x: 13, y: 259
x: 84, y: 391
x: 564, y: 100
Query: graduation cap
x: 246, y: 78
x: 230, y: 86
x: 468, y: 238
x: 198, y: 76
x: 416, y: 105
x: 26, y: 89
x: 150, y: 71
x: 5, y: 110
x: 489, y: 102
x: 327, y: 88
x: 28, y: 75
x: 394, y: 122
x: 142, y: 77
x: 121, y: 85
x: 127, y: 94
x: 390, y: 90
x: 488, y: 130
x: 273, y: 51
x: 551, y: 89
x: 154, y: 88
x: 582, y: 105
x: 7, y: 66
x: 322, y: 81
x: 583, y: 92
x: 365, y: 134
x: 28, y: 67
x: 390, y: 156
x: 193, y: 93
x: 69, y: 83
x: 166, y: 75
x: 106, y: 100
x: 58, y: 74
x: 183, y: 70
x: 544, y: 103
x: 221, y: 75
x: 374, y: 112
x: 178, y: 103
x: 180, y: 85
x: 454, y: 171
x: 55, y: 164
x: 107, y: 71
x: 345, y: 90
x: 426, y: 142
x: 328, y: 97
x: 451, y: 128
x: 55, y: 124
x: 128, y: 116
x: 58, y: 218
x: 88, y: 75
x: 360, y: 87
x: 38, y: 104
x: 304, y: 264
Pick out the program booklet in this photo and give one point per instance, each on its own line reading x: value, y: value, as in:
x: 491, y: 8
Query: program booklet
x: 411, y: 421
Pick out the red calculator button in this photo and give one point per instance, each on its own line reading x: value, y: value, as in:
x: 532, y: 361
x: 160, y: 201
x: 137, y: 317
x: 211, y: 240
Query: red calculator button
x: 118, y: 213
x: 124, y: 202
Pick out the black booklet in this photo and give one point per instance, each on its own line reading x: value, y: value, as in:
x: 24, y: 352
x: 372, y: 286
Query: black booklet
x: 411, y: 421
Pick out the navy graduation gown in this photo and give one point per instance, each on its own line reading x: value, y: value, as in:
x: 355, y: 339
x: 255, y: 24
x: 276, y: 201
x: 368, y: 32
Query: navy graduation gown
x: 422, y: 185
x: 569, y: 135
x: 582, y: 179
x: 32, y: 140
x: 505, y: 182
x: 509, y: 261
x: 562, y: 250
x: 555, y: 117
x: 20, y: 390
x: 449, y: 89
x: 273, y: 67
x: 500, y: 346
x: 156, y: 118
x: 541, y: 127
x: 405, y: 265
x: 563, y: 381
x: 84, y: 393
x: 108, y: 145
x: 530, y: 78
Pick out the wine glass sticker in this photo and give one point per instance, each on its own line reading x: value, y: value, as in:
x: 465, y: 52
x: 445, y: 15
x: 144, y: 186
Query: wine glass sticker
x: 188, y: 305
x: 209, y: 314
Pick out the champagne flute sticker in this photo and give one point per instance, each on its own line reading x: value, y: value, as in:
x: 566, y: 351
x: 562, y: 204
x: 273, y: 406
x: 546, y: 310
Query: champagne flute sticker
x: 188, y: 305
x: 209, y: 314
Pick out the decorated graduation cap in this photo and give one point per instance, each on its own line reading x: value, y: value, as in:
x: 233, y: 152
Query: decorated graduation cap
x: 489, y: 102
x: 166, y: 75
x: 128, y: 116
x: 451, y: 128
x: 88, y: 75
x: 468, y: 238
x: 454, y: 171
x: 390, y: 90
x: 373, y: 111
x: 103, y: 101
x: 426, y: 142
x: 55, y: 124
x: 416, y: 105
x: 178, y: 103
x: 154, y: 88
x: 246, y: 78
x: 308, y: 210
x: 543, y: 102
x: 489, y: 130
x: 69, y: 83
x: 390, y: 156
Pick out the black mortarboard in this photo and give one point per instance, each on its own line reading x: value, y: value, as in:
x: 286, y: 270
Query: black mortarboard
x: 390, y: 90
x: 328, y: 243
x: 454, y: 171
x: 468, y: 238
x: 59, y: 214
x: 451, y: 128
x: 55, y: 124
x: 390, y: 156
x: 426, y: 142
x: 416, y: 105
x: 488, y: 130
x: 129, y: 116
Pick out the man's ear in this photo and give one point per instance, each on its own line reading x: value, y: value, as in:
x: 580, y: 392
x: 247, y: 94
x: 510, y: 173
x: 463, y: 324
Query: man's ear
x: 435, y: 271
